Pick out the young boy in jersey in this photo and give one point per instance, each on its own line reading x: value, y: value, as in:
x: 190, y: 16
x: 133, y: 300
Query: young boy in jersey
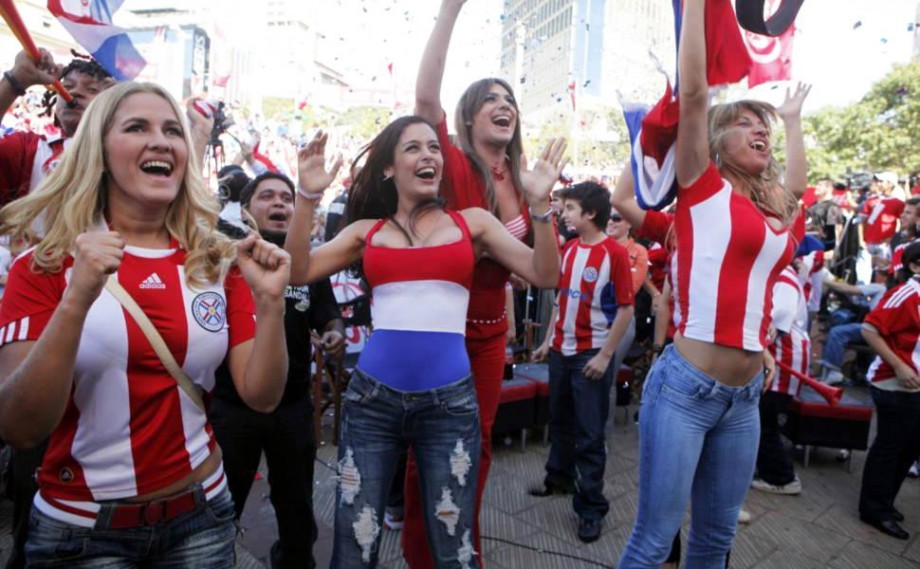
x: 593, y: 311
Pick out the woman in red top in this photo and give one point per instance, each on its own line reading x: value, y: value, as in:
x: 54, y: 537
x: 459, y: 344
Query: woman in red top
x: 485, y: 171
x: 699, y: 412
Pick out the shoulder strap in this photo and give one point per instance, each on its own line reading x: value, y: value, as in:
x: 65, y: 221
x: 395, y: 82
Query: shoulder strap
x: 461, y: 223
x: 376, y: 227
x: 155, y: 339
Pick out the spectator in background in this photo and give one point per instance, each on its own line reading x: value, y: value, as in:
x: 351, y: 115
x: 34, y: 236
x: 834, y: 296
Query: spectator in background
x: 826, y: 216
x: 26, y: 157
x: 893, y: 330
x: 286, y: 434
x: 590, y: 324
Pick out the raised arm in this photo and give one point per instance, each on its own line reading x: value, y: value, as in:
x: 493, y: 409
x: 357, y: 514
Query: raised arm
x: 624, y: 200
x: 692, y: 130
x: 307, y: 264
x: 26, y: 73
x: 431, y: 68
x: 540, y: 265
x: 796, y: 163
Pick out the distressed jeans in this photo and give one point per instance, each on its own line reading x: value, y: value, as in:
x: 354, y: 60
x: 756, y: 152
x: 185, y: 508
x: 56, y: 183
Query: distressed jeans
x: 442, y: 427
x: 698, y: 444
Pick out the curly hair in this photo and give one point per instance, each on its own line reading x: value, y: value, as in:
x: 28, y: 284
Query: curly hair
x: 80, y: 64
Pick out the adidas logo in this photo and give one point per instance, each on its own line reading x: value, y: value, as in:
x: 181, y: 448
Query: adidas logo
x: 153, y: 281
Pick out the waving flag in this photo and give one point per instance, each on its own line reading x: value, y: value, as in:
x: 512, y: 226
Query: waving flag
x: 772, y: 56
x: 90, y: 24
x: 653, y: 131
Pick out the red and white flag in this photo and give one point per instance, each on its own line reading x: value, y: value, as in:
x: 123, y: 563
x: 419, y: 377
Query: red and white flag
x: 771, y: 56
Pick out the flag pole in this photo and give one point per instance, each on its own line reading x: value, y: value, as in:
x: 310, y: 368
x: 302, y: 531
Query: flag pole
x: 11, y: 15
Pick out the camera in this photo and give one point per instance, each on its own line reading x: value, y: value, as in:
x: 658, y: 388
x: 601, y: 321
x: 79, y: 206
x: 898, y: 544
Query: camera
x: 859, y: 180
x: 216, y: 109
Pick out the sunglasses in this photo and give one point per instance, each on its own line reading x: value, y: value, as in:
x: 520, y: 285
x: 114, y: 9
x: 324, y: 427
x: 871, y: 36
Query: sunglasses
x: 616, y: 218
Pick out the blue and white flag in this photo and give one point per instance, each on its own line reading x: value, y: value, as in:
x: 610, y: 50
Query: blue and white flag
x: 90, y: 24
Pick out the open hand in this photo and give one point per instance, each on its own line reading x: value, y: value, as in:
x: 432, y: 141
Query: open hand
x: 792, y: 106
x: 312, y: 175
x: 538, y: 182
x: 266, y: 268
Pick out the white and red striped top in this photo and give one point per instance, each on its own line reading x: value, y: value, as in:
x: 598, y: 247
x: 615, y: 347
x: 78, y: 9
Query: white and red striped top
x: 790, y: 318
x: 728, y: 257
x: 897, y: 319
x: 596, y: 280
x: 128, y: 428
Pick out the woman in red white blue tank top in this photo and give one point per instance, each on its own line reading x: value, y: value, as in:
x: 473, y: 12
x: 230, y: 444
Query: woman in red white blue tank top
x: 699, y: 421
x: 412, y: 384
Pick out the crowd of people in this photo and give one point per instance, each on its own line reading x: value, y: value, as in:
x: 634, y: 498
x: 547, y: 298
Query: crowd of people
x: 157, y: 333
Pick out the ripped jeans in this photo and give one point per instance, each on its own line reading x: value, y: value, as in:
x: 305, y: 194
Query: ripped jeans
x: 442, y: 427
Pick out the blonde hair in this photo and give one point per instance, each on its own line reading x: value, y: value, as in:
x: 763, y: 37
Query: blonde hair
x: 72, y: 199
x: 767, y: 190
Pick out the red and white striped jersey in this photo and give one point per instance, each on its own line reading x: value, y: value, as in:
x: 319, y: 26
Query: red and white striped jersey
x: 727, y: 259
x: 814, y: 273
x: 790, y: 318
x: 896, y: 257
x: 128, y: 428
x: 897, y: 319
x: 596, y: 280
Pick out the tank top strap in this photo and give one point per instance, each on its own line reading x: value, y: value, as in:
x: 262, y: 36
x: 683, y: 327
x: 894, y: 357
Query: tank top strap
x: 461, y: 223
x: 374, y: 229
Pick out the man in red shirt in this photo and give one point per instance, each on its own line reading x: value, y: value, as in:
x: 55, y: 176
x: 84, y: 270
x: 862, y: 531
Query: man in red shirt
x: 879, y: 222
x: 26, y: 157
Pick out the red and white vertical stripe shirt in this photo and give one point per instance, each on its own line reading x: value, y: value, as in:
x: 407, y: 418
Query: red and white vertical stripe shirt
x: 596, y: 280
x: 897, y: 319
x: 790, y: 318
x: 128, y: 428
x: 728, y: 257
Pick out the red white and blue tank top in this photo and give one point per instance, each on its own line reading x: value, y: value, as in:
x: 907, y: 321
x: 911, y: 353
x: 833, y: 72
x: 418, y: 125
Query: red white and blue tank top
x: 420, y: 299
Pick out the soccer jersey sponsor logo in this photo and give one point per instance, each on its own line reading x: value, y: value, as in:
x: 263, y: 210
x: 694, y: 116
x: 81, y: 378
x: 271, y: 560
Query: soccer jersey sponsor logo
x: 210, y: 311
x: 153, y: 282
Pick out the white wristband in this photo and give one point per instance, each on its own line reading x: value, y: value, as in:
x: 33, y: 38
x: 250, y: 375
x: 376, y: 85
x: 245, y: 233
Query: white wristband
x: 303, y: 193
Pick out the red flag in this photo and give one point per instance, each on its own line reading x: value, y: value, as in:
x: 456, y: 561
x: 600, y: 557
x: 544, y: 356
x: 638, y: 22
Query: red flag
x: 771, y: 57
x: 572, y: 94
x: 726, y: 59
x: 390, y: 68
x: 222, y: 80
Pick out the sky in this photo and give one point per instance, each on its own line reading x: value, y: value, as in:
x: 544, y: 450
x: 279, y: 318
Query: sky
x: 841, y: 46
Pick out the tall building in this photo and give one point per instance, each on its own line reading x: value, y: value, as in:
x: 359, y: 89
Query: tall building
x: 560, y: 51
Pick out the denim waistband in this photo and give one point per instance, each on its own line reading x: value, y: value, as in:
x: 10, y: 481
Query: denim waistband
x: 377, y: 388
x: 672, y: 357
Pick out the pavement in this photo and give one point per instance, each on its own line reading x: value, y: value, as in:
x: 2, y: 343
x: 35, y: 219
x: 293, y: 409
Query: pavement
x: 819, y: 528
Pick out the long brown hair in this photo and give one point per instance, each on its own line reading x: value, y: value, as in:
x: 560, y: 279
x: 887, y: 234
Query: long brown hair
x: 467, y: 107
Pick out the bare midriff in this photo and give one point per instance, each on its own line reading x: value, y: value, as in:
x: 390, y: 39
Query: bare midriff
x: 733, y: 367
x: 205, y: 469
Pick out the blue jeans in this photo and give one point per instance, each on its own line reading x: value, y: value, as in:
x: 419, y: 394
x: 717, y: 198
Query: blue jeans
x: 578, y: 410
x: 837, y: 340
x: 698, y: 443
x: 442, y: 427
x: 200, y: 538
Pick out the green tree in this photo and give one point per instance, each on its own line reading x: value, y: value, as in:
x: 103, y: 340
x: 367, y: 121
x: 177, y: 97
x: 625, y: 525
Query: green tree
x: 364, y: 123
x: 877, y: 133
